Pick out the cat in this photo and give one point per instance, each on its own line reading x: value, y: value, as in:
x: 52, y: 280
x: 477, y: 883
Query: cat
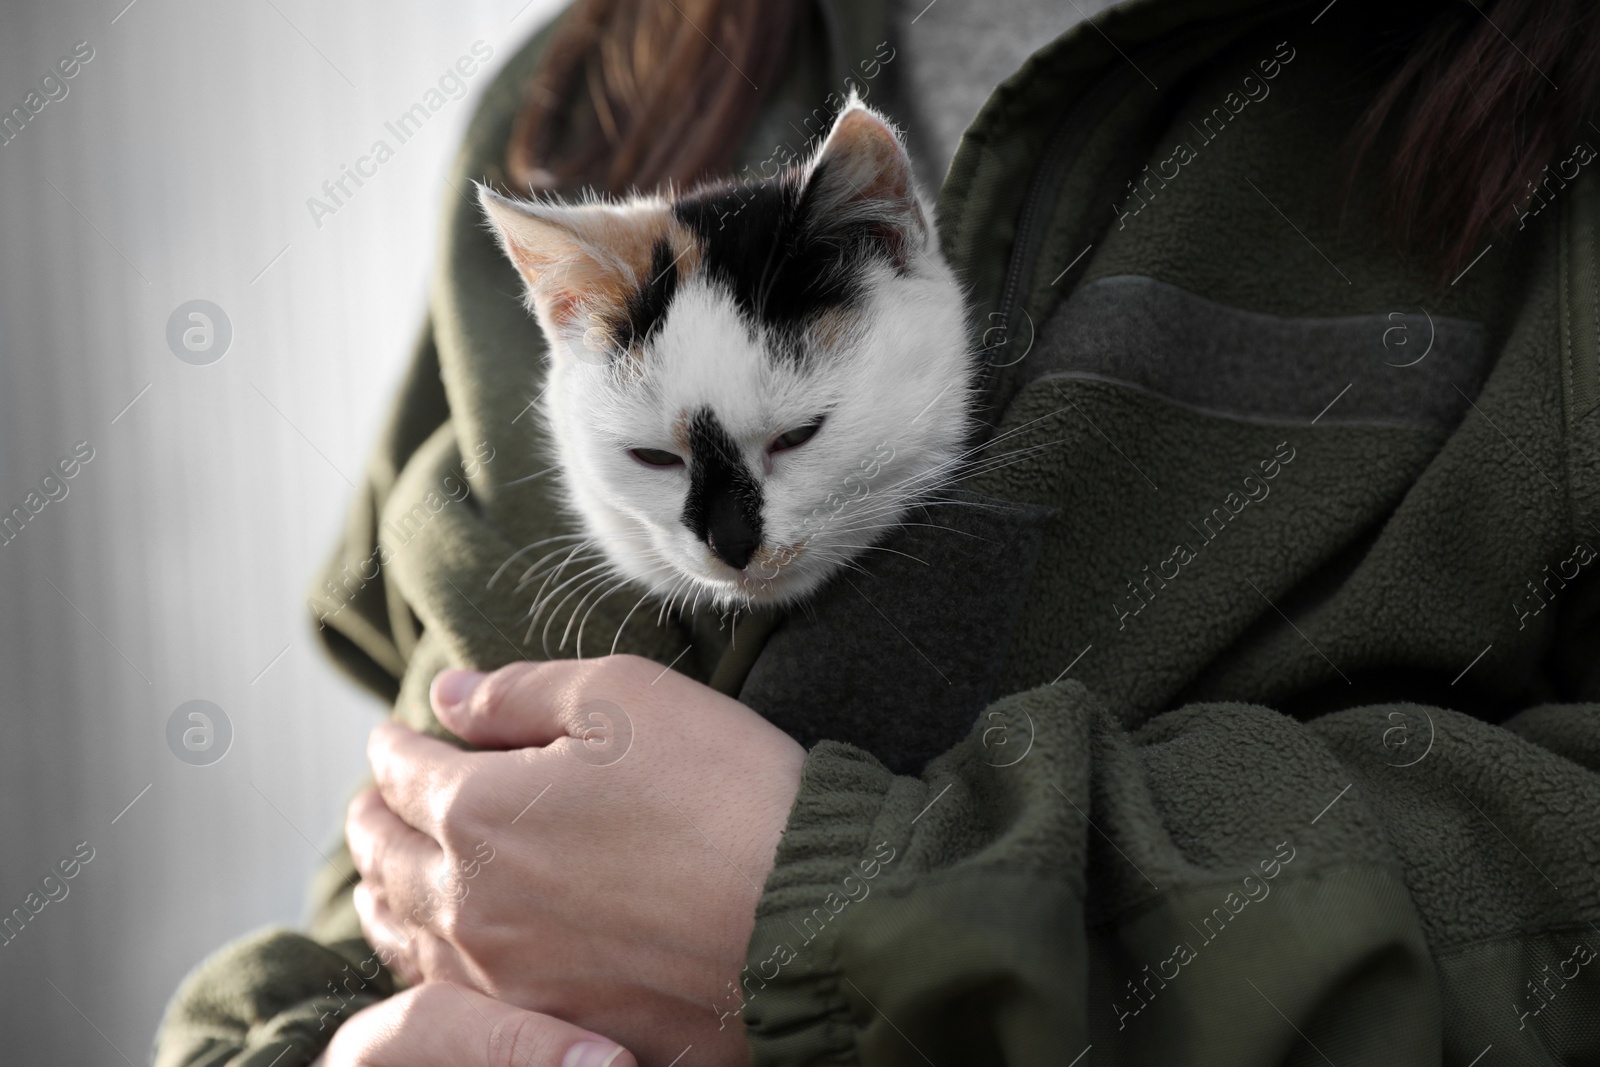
x: 749, y: 385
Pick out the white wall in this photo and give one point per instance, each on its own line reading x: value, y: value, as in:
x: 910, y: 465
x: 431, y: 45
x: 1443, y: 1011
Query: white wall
x: 177, y: 167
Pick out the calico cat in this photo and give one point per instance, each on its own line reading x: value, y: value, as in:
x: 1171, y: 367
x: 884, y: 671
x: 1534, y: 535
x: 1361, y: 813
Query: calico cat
x: 749, y: 385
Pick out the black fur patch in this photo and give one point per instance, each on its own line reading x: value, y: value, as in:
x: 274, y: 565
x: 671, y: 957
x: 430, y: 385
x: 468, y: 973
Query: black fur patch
x: 641, y: 317
x: 724, y: 504
x: 766, y: 243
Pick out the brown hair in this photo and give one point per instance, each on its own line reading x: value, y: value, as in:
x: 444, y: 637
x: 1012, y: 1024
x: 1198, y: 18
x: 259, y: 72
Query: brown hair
x: 634, y: 94
x: 1484, y: 100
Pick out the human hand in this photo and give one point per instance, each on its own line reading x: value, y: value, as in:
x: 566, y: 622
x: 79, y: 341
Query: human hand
x: 436, y: 1024
x: 608, y: 875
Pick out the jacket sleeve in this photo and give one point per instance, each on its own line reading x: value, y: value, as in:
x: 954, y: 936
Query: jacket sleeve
x: 276, y: 996
x: 360, y: 617
x: 1223, y: 884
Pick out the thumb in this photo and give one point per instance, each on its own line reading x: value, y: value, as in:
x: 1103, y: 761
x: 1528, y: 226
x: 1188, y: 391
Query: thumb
x: 511, y: 708
x: 440, y: 1022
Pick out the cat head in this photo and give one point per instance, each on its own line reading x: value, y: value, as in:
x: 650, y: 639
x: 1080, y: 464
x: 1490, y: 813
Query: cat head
x: 750, y: 384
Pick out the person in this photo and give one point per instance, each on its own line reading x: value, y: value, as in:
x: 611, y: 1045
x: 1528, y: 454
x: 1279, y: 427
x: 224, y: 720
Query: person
x: 1239, y: 708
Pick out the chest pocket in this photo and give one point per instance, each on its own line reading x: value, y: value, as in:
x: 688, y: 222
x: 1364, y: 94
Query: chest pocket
x: 1410, y: 369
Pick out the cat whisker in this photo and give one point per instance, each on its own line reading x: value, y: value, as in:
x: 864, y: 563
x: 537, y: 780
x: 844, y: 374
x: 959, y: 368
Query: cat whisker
x: 543, y: 600
x: 604, y: 592
x: 527, y: 478
x: 666, y: 601
x: 854, y: 565
x: 512, y: 558
x: 1005, y: 459
x: 598, y: 586
x: 1014, y: 431
x: 955, y: 463
x: 897, y: 505
x: 538, y: 606
x: 550, y: 617
x: 690, y: 587
x: 950, y: 476
x: 916, y: 484
x: 621, y: 583
x: 838, y: 557
x: 672, y: 594
x: 893, y: 551
x: 543, y: 562
x: 501, y: 570
x: 552, y: 575
x: 956, y: 470
x: 572, y: 544
x: 623, y: 625
x: 860, y: 527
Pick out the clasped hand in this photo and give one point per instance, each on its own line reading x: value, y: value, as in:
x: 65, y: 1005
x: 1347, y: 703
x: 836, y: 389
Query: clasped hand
x: 595, y: 873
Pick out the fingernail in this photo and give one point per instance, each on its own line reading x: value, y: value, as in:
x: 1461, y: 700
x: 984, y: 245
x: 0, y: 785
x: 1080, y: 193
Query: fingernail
x: 591, y: 1054
x: 452, y: 687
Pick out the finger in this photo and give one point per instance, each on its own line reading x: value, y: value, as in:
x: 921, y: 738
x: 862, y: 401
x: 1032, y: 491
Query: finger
x: 440, y: 1022
x: 404, y: 868
x: 412, y: 951
x: 515, y: 707
x: 415, y: 774
x: 393, y: 946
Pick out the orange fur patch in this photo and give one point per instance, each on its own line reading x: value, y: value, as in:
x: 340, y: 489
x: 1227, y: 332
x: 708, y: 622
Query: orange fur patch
x: 680, y: 431
x: 834, y: 326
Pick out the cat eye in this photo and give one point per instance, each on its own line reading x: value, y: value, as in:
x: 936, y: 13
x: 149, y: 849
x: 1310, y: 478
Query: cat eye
x: 795, y: 437
x: 655, y: 457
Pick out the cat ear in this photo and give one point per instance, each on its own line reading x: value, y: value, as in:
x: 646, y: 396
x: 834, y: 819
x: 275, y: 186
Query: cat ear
x: 576, y: 260
x: 863, y: 174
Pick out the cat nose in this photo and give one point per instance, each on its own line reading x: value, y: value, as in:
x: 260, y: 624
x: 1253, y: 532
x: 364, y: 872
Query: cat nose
x: 725, y: 510
x: 733, y: 546
x: 730, y: 533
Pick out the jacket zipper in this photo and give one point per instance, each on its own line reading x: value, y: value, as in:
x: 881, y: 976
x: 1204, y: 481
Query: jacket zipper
x: 1061, y: 151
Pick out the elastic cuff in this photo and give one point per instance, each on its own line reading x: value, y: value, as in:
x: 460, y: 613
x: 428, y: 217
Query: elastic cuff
x: 835, y: 848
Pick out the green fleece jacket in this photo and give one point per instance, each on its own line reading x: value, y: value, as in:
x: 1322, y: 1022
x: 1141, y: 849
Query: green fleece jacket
x: 1241, y: 711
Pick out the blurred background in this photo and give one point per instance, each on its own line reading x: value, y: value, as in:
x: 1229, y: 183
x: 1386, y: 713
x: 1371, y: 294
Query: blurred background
x: 177, y: 167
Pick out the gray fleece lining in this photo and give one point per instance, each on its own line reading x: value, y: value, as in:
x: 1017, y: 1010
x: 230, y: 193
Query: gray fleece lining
x: 938, y: 611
